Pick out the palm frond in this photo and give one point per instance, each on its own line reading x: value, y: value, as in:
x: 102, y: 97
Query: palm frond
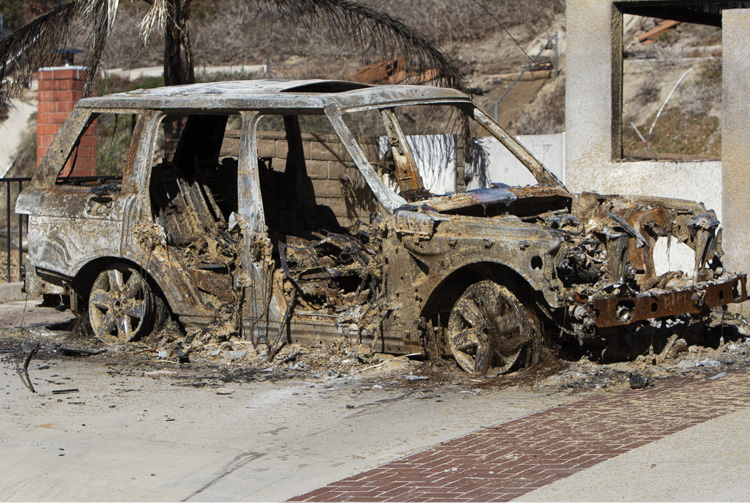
x: 156, y: 17
x: 30, y: 47
x: 375, y: 32
x: 99, y: 16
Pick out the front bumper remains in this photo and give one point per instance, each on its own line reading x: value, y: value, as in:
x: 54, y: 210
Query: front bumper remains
x: 624, y: 310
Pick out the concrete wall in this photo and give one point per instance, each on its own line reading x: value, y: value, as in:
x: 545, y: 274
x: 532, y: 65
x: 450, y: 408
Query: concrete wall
x: 503, y: 166
x: 593, y: 116
x: 735, y: 146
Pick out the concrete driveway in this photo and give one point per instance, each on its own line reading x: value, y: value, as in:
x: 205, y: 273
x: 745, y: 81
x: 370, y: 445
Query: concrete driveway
x: 109, y: 429
x: 128, y: 433
x: 124, y: 436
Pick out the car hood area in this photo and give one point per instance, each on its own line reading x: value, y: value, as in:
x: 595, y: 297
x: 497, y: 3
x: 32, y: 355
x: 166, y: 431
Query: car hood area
x: 613, y: 260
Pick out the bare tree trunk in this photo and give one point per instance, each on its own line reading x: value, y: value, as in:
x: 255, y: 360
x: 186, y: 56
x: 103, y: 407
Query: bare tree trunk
x: 178, y: 57
x: 178, y: 61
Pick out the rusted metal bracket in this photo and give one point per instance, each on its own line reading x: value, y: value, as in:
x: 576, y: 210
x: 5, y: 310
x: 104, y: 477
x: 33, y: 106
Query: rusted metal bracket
x: 617, y: 311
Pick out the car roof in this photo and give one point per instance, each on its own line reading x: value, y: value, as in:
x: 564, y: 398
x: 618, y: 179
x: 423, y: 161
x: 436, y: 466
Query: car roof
x: 272, y: 95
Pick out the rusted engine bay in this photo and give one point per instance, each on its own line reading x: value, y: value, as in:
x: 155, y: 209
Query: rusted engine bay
x: 608, y: 260
x: 236, y: 244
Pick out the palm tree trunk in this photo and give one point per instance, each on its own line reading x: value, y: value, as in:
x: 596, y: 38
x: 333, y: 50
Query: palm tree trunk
x: 178, y: 57
x: 178, y: 61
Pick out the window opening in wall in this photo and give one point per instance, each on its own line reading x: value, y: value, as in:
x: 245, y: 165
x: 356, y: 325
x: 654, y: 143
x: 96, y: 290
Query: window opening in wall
x: 671, y: 90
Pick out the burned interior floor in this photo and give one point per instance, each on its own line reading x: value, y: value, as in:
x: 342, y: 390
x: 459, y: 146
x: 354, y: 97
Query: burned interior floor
x: 724, y: 345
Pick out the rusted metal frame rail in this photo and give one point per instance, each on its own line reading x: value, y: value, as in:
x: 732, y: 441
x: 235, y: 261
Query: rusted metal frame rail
x: 618, y: 311
x: 23, y: 220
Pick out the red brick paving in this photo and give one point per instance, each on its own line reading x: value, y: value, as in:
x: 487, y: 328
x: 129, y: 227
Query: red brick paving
x: 505, y: 461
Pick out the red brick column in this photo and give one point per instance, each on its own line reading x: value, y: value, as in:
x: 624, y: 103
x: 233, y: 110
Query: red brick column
x: 59, y: 90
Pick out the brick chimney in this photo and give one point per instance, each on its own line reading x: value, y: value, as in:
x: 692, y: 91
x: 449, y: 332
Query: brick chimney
x: 59, y: 89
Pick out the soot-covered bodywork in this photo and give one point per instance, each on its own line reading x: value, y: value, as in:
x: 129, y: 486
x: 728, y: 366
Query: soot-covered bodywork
x: 280, y: 235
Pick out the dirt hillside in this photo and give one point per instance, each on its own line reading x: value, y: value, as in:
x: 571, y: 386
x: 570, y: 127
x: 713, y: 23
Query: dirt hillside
x: 677, y: 72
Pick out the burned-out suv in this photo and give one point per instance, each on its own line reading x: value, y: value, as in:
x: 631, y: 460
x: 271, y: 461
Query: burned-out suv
x: 313, y: 211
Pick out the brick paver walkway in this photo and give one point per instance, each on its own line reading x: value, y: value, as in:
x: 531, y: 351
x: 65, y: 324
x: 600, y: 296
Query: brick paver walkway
x: 505, y: 461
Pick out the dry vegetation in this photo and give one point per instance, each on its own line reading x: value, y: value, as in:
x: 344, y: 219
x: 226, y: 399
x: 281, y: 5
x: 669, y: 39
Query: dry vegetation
x: 547, y: 114
x: 680, y: 134
x: 240, y: 32
x: 689, y: 127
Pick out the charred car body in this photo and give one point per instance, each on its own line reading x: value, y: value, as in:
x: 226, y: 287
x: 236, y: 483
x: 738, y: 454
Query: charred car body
x: 238, y: 220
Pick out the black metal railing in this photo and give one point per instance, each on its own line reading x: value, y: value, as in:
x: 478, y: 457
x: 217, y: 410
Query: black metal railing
x: 14, y: 227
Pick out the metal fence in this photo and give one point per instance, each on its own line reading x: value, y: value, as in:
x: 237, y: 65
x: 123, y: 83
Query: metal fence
x: 13, y: 230
x: 15, y: 227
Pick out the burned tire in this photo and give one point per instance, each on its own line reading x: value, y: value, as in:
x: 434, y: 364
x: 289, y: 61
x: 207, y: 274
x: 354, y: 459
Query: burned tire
x: 121, y: 305
x: 489, y: 329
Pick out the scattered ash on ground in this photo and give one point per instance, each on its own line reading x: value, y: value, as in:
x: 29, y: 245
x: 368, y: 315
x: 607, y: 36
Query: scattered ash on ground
x: 217, y: 364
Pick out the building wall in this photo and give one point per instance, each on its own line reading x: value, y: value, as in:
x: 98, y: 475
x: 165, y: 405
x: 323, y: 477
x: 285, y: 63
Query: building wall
x: 593, y: 118
x: 735, y: 134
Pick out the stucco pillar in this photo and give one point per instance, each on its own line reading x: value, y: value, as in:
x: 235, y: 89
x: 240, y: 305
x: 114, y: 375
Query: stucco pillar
x: 735, y: 141
x: 593, y: 118
x: 593, y: 90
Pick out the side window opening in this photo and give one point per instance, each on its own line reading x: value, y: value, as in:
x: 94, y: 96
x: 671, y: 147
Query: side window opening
x: 307, y: 178
x: 201, y: 174
x: 290, y: 201
x: 193, y: 190
x: 103, y: 152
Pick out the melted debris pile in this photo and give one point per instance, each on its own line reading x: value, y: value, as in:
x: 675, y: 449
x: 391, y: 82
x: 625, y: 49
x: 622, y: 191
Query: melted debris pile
x: 336, y: 272
x: 726, y: 345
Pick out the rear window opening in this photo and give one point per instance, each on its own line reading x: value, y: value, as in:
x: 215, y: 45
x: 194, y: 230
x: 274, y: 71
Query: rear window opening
x: 102, y: 153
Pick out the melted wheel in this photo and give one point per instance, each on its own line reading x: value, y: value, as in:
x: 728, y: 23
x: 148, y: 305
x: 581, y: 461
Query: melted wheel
x: 121, y: 305
x: 489, y: 328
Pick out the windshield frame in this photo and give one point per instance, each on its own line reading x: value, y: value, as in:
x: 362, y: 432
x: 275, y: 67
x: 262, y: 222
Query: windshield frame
x: 386, y: 197
x: 392, y: 201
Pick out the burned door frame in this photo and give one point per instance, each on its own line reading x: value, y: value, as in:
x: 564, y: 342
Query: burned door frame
x: 256, y: 253
x: 147, y: 245
x: 273, y: 313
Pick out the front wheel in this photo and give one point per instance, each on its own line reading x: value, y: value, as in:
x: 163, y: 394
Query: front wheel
x: 489, y: 328
x: 121, y: 305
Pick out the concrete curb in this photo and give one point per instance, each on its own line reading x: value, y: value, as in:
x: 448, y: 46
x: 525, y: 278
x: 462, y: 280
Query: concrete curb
x: 11, y: 292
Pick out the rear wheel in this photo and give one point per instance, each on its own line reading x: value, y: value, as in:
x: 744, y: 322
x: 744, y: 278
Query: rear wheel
x: 489, y: 328
x: 121, y: 305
